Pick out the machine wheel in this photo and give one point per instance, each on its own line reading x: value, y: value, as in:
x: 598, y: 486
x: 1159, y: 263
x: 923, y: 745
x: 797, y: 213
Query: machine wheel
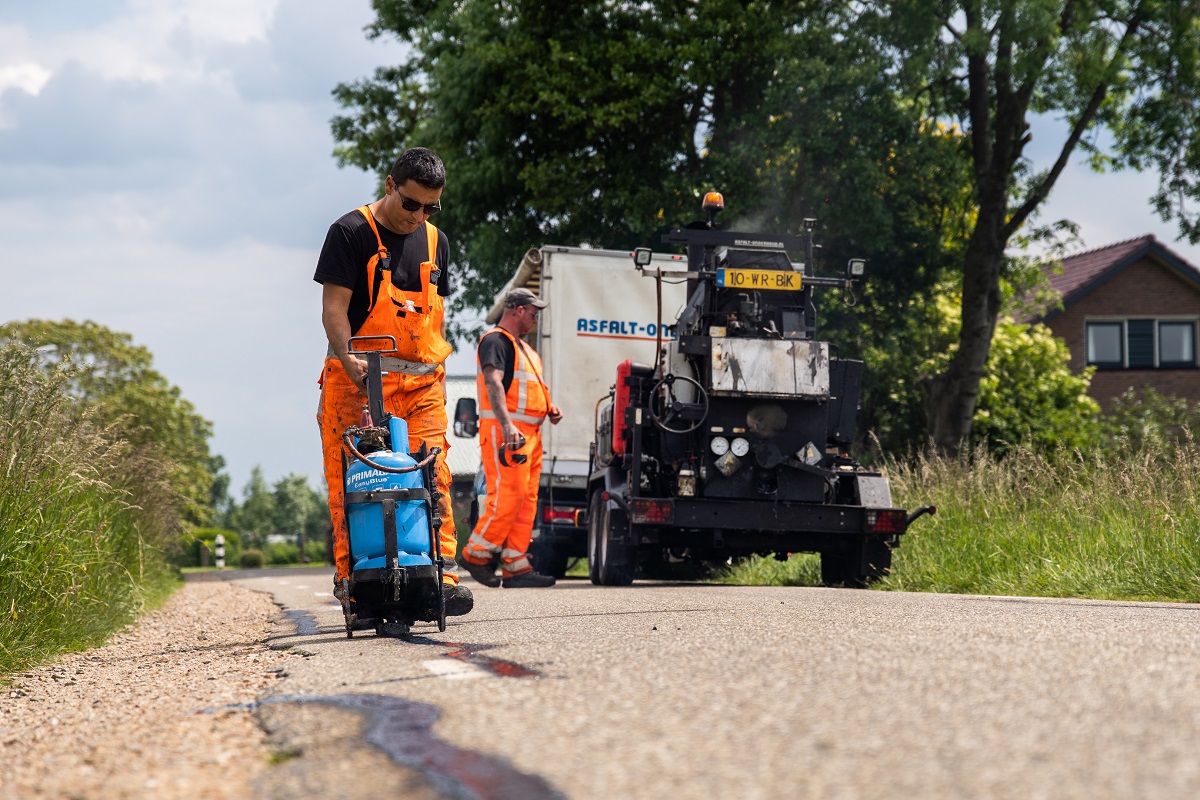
x: 393, y: 628
x: 609, y: 563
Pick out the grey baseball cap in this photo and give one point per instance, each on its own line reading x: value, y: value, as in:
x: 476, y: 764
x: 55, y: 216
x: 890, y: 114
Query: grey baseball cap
x: 523, y: 297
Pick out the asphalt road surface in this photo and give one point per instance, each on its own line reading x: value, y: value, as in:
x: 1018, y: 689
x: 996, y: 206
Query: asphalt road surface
x: 691, y: 691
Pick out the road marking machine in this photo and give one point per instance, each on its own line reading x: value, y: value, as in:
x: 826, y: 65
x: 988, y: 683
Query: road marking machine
x: 392, y: 513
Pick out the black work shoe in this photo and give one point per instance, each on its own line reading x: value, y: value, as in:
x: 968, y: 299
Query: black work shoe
x: 528, y: 580
x: 484, y: 573
x: 458, y: 600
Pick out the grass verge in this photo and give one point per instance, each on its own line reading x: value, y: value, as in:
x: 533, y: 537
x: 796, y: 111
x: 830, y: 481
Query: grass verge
x: 1120, y: 526
x: 85, y: 520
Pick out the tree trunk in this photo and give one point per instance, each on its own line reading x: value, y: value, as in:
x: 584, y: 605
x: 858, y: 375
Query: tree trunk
x: 954, y: 393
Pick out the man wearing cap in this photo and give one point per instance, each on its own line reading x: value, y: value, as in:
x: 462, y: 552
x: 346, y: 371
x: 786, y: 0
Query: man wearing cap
x: 513, y: 403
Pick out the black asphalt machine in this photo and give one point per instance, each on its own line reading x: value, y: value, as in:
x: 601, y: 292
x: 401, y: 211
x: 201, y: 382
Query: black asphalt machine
x: 392, y: 513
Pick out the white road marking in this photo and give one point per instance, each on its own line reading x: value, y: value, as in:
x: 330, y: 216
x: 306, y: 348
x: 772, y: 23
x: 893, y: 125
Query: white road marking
x: 453, y: 670
x: 322, y: 594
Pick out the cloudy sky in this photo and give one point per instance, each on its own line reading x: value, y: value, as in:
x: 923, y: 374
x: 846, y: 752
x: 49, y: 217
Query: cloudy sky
x: 166, y: 170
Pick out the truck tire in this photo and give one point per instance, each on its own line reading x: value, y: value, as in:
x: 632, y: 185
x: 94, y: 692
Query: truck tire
x: 855, y: 563
x: 610, y: 563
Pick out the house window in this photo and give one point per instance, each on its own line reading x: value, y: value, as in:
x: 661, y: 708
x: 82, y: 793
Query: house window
x: 1141, y: 344
x: 1177, y: 344
x: 1104, y: 344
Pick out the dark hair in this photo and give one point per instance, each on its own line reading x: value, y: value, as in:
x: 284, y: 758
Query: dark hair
x: 421, y: 165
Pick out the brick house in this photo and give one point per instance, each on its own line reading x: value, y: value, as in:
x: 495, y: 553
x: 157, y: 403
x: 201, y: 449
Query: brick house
x: 1132, y: 310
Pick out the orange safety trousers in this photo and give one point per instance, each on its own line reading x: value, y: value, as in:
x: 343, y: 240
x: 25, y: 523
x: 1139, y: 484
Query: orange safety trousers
x: 505, y: 527
x: 420, y: 400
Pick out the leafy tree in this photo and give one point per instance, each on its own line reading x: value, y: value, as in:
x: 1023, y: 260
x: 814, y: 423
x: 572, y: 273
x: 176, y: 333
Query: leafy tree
x: 289, y: 507
x: 219, y: 498
x: 1119, y: 71
x: 600, y: 123
x: 114, y: 380
x: 1028, y: 393
x: 255, y: 517
x: 298, y: 508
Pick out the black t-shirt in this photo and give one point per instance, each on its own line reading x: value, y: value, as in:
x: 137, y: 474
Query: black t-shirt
x: 497, y: 349
x: 350, y: 244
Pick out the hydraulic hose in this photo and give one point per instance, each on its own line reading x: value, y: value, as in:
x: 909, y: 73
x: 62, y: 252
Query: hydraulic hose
x: 348, y: 443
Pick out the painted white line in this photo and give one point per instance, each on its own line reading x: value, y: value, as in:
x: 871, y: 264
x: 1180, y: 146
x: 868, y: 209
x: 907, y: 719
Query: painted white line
x: 323, y: 594
x: 453, y: 670
x: 301, y: 586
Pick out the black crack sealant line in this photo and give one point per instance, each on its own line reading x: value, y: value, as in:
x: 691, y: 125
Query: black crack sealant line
x: 306, y: 623
x: 403, y: 729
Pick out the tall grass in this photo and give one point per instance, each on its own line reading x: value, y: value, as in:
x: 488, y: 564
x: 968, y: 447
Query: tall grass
x: 1124, y: 524
x: 85, y: 520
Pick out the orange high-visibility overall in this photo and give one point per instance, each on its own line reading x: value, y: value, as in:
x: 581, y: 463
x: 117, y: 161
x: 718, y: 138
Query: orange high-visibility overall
x: 505, y: 527
x: 412, y: 390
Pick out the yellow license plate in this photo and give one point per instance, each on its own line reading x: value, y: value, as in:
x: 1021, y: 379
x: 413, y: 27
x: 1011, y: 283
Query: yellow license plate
x: 771, y: 279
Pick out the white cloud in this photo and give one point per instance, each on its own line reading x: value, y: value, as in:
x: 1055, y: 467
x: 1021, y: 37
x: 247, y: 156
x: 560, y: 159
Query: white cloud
x: 172, y: 177
x: 29, y: 77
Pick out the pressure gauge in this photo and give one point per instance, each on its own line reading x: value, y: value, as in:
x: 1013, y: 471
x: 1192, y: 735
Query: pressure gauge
x: 719, y: 445
x: 740, y: 447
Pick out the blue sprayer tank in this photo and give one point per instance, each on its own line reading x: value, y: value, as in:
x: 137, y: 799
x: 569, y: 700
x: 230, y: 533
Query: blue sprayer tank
x: 367, y: 547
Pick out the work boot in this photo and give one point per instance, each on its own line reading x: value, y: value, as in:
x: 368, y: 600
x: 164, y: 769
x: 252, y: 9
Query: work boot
x: 528, y: 580
x: 484, y: 573
x: 458, y: 600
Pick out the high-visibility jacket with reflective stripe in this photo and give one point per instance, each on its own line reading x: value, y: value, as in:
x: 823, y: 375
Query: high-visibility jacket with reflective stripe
x: 527, y: 399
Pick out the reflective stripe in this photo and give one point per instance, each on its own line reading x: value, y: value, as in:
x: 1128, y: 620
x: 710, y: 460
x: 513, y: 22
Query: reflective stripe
x: 509, y: 569
x: 514, y: 417
x: 482, y: 546
x: 509, y: 553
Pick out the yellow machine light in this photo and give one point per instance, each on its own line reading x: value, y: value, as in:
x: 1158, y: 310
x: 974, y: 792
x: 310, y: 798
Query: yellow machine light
x: 714, y: 201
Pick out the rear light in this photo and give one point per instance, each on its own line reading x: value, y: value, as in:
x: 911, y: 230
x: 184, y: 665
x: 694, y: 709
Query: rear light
x: 652, y: 511
x: 620, y: 403
x: 568, y: 515
x: 888, y: 520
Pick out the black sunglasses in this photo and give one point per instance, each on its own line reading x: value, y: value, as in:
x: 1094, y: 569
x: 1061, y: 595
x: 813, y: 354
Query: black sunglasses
x: 413, y: 206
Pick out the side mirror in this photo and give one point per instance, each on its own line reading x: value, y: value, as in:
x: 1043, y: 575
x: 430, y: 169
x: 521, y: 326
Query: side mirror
x: 856, y: 269
x: 466, y: 418
x: 642, y: 256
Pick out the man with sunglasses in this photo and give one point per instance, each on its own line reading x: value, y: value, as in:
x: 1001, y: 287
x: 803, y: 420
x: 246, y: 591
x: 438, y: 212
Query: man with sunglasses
x: 513, y: 403
x: 384, y: 272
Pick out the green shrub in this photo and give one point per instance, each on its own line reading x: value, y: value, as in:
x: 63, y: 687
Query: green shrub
x: 315, y: 551
x: 282, y: 553
x: 251, y: 559
x: 206, y: 538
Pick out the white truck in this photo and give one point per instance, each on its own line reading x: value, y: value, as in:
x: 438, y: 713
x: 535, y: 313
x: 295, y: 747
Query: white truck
x: 602, y: 311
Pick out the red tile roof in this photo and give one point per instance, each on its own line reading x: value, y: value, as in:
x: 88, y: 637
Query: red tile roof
x: 1083, y: 271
